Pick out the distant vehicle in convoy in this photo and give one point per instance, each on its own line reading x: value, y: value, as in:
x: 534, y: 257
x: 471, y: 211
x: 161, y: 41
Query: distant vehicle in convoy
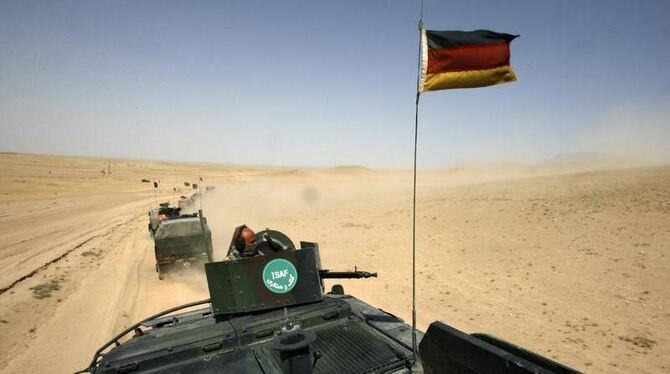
x: 163, y: 212
x: 182, y: 240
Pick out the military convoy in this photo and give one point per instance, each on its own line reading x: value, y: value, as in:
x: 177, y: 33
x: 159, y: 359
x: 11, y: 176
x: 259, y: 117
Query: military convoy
x: 179, y: 239
x: 269, y: 312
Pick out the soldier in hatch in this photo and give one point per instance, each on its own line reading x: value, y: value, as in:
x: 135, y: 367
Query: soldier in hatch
x: 246, y: 243
x: 243, y: 243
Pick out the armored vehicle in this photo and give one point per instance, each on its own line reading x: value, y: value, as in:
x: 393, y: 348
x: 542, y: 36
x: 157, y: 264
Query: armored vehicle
x: 164, y: 211
x: 183, y: 239
x: 268, y: 313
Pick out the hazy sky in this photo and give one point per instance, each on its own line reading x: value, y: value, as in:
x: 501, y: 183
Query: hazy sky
x: 327, y: 82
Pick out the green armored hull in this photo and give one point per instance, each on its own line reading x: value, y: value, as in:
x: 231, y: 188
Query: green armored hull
x: 352, y: 337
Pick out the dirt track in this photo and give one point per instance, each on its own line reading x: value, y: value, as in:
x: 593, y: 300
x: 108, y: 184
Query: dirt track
x: 573, y: 265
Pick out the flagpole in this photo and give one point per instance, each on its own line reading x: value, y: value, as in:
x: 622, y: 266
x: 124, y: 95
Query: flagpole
x: 416, y: 134
x: 416, y: 131
x: 200, y: 193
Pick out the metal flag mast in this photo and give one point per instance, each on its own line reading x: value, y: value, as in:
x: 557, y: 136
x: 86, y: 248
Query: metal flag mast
x: 416, y: 132
x: 200, y: 193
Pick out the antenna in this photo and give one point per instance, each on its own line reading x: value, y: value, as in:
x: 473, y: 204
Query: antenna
x: 201, y: 195
x: 208, y: 244
x: 155, y: 199
x: 416, y: 132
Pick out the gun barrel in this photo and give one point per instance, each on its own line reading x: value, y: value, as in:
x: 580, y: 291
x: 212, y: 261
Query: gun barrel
x: 327, y: 274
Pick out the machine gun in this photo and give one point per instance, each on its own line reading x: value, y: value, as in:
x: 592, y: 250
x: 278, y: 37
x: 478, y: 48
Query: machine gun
x: 356, y: 274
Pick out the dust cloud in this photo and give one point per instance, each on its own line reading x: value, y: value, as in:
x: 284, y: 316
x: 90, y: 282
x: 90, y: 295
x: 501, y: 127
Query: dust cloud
x: 638, y: 131
x: 282, y: 200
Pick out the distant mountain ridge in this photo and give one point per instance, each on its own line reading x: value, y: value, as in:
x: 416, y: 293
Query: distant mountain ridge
x: 590, y: 159
x: 348, y: 170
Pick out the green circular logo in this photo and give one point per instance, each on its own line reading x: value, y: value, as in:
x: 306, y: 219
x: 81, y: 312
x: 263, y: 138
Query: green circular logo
x: 280, y: 276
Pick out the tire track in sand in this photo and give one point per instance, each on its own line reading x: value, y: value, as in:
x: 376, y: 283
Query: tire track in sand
x: 66, y: 253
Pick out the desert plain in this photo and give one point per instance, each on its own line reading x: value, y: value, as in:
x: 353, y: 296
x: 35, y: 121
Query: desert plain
x: 569, y: 259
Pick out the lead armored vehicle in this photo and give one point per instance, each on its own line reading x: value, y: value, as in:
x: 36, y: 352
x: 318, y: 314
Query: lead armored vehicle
x: 156, y: 216
x: 182, y: 240
x: 268, y: 313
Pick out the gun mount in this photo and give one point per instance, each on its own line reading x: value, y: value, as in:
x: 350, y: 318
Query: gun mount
x: 266, y: 272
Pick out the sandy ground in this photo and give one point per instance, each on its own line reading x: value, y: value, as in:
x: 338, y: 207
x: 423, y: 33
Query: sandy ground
x: 571, y: 263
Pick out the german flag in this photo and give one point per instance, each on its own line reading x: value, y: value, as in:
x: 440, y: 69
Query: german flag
x: 464, y: 59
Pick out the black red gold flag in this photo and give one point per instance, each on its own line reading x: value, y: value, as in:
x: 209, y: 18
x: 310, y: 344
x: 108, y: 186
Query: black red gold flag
x: 464, y: 59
